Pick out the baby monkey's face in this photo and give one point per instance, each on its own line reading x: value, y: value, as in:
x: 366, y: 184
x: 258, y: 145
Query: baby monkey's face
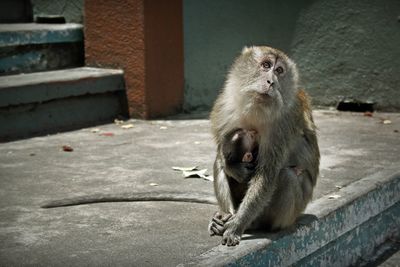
x: 242, y: 146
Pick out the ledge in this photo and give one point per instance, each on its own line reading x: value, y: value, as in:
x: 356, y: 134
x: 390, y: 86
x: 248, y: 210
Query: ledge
x: 339, y: 232
x: 35, y: 33
x: 43, y: 86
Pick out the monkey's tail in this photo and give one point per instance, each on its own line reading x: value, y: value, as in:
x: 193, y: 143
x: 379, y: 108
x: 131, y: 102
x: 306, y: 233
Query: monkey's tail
x: 192, y: 197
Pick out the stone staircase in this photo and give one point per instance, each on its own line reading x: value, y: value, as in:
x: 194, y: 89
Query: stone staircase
x: 44, y: 87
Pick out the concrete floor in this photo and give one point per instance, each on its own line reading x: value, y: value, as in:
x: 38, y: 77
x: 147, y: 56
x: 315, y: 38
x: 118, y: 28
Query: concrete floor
x: 139, y: 159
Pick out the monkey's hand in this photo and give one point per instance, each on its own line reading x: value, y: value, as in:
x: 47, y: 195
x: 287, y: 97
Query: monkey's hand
x: 232, y: 234
x: 217, y: 223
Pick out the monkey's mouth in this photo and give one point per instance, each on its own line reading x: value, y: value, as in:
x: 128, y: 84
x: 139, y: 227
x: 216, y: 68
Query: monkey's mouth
x: 264, y: 95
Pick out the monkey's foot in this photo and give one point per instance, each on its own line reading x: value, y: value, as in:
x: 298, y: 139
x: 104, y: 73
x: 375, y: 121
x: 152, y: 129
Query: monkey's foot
x: 230, y: 238
x: 217, y: 223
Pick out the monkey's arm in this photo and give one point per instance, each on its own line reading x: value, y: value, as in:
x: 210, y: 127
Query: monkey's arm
x: 262, y: 185
x: 222, y: 188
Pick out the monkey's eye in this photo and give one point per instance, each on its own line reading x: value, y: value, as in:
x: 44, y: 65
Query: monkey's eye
x: 279, y: 70
x: 266, y: 65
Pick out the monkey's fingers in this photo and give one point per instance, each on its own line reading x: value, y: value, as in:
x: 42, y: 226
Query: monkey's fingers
x: 217, y: 221
x: 218, y: 215
x: 215, y: 229
x: 226, y: 217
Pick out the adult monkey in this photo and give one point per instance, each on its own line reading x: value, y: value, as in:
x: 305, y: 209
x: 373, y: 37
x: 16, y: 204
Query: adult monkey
x: 261, y: 94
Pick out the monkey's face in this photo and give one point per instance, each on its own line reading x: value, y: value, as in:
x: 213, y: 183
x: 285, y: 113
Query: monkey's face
x: 266, y: 76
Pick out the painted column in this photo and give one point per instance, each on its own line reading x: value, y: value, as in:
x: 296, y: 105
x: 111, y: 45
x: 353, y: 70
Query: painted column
x: 145, y: 39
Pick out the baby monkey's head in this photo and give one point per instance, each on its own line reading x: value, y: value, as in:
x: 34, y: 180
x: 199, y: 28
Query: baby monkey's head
x: 241, y: 145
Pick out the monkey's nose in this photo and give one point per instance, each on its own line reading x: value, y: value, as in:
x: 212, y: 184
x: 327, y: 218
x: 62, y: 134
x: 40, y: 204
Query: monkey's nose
x: 270, y: 82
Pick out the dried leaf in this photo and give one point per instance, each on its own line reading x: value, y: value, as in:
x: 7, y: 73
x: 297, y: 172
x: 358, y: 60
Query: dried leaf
x: 67, y: 148
x: 107, y: 134
x: 386, y: 121
x: 338, y: 186
x: 334, y: 196
x: 95, y: 130
x: 184, y: 168
x: 209, y: 178
x: 198, y: 174
x: 195, y: 173
x: 127, y: 126
x: 153, y: 184
x: 197, y: 143
x: 163, y: 127
x: 368, y: 114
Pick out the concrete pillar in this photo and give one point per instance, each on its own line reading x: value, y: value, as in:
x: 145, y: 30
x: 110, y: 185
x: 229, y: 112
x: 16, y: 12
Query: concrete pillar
x: 145, y: 39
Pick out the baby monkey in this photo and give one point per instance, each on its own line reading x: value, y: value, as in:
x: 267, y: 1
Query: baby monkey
x: 240, y: 151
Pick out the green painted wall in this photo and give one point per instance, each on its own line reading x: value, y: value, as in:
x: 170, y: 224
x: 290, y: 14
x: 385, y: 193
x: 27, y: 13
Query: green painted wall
x: 343, y: 48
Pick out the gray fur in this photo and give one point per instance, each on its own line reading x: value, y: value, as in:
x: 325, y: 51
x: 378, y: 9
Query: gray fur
x: 193, y: 197
x: 277, y: 193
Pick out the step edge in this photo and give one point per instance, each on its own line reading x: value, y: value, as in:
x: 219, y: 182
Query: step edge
x: 12, y: 95
x: 60, y: 33
x: 245, y: 253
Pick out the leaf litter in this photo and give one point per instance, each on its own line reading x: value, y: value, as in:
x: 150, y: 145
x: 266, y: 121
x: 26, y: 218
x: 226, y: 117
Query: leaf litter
x: 194, y: 172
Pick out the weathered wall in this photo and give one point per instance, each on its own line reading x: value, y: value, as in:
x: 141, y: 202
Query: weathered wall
x: 350, y: 49
x: 72, y: 10
x: 343, y: 48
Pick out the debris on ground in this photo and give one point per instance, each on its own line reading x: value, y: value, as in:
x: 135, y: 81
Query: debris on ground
x: 127, y: 126
x: 368, y: 114
x: 107, y: 134
x: 386, y: 121
x: 118, y: 122
x: 67, y: 148
x: 194, y: 172
x: 334, y: 196
x: 153, y: 184
x: 185, y: 168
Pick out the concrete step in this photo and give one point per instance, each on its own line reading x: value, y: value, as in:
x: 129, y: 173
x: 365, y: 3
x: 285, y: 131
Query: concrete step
x: 345, y: 230
x: 33, y: 47
x: 52, y: 101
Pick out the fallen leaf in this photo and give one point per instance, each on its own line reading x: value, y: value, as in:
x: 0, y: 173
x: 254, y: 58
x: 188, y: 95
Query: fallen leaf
x: 197, y: 143
x: 32, y: 154
x: 184, y: 168
x: 163, y: 128
x: 396, y: 131
x: 195, y: 173
x: 198, y: 174
x: 67, y: 148
x: 368, y: 114
x: 334, y: 196
x: 386, y: 121
x: 95, y: 130
x: 127, y: 126
x: 107, y: 134
x: 209, y: 178
x: 153, y: 184
x: 338, y: 186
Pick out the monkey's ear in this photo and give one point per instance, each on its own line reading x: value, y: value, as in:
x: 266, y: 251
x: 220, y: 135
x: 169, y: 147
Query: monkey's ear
x: 246, y: 49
